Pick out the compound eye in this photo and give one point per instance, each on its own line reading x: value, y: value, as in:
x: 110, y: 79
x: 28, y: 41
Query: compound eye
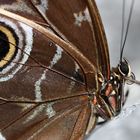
x: 124, y: 68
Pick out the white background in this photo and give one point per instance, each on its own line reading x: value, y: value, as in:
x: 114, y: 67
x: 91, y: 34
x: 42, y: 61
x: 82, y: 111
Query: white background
x: 111, y: 12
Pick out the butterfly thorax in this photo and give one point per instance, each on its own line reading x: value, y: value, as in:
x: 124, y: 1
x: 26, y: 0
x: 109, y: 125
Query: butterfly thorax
x: 109, y: 101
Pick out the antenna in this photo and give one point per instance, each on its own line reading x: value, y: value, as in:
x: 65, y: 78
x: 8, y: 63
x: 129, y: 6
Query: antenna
x: 123, y: 22
x: 122, y: 44
x: 130, y: 79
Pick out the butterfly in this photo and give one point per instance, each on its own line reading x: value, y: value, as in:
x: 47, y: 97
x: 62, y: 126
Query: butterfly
x: 55, y: 78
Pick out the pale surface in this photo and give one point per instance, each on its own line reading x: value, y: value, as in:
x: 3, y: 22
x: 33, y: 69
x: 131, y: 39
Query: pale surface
x: 127, y: 126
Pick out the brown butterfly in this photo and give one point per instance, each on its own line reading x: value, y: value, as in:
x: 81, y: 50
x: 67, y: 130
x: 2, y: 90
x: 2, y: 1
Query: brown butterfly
x: 55, y: 79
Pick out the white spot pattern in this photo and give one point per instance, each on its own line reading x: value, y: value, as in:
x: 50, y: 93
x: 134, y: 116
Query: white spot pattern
x: 43, y: 6
x: 34, y: 114
x: 72, y: 84
x: 55, y: 59
x: 38, y: 95
x: 28, y: 37
x: 57, y: 56
x: 82, y: 16
x: 49, y: 110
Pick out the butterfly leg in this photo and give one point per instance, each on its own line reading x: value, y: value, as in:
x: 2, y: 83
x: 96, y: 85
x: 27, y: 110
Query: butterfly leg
x: 126, y: 96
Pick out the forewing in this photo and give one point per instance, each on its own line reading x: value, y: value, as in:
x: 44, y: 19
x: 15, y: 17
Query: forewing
x: 78, y: 22
x: 37, y: 76
x: 34, y: 68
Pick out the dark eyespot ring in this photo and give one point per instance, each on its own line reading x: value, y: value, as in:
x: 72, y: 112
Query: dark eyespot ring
x: 18, y: 39
x: 8, y: 45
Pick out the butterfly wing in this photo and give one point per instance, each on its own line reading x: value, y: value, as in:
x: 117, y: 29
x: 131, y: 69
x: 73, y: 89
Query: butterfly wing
x: 61, y: 120
x: 23, y: 8
x: 63, y: 86
x: 79, y: 23
x: 39, y: 64
x: 28, y: 77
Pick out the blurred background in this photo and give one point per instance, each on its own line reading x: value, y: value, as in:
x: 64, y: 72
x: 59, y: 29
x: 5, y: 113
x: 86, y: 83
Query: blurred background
x: 111, y: 13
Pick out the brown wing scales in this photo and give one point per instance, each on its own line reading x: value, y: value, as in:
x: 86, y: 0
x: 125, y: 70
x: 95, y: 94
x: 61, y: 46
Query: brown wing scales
x: 44, y: 89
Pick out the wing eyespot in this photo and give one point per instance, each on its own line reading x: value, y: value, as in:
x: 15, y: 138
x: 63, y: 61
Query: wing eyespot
x: 8, y: 45
x: 16, y: 41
